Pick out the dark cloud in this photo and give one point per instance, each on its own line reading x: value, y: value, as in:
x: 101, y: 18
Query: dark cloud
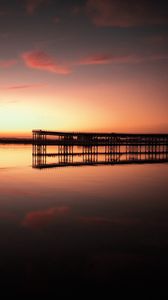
x: 117, y: 13
x: 33, y: 5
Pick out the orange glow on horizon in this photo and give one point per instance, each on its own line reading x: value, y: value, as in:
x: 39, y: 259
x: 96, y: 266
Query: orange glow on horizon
x: 118, y: 107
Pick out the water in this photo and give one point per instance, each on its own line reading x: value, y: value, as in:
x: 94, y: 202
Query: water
x: 80, y: 225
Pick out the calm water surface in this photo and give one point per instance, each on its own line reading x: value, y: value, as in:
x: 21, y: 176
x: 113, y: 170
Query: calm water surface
x: 85, y: 225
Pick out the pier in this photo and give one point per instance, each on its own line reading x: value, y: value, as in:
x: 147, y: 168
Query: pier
x: 83, y: 148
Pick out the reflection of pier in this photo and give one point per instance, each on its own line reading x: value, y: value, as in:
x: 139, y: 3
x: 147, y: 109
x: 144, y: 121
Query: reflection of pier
x: 53, y: 149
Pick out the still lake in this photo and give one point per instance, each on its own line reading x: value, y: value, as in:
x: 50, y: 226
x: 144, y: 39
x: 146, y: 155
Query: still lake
x: 85, y: 224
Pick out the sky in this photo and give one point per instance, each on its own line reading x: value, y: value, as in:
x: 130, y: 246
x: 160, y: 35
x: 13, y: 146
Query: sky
x: 90, y: 65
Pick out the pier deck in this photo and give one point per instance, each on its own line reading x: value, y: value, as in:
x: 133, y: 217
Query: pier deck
x: 42, y: 137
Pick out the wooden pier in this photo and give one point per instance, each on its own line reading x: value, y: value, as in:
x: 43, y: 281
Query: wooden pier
x: 97, y: 148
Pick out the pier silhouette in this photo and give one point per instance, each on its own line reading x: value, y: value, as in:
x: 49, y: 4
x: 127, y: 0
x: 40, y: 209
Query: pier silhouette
x: 79, y: 149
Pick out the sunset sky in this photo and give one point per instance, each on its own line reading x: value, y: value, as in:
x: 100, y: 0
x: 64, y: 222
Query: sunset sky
x: 93, y: 65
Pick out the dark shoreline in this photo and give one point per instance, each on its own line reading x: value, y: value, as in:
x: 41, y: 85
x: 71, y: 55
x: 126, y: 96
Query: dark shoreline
x: 24, y: 141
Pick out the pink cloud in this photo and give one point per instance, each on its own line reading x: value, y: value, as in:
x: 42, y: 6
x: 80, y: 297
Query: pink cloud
x: 125, y: 13
x: 7, y: 63
x: 96, y: 59
x: 23, y: 86
x: 38, y: 219
x: 42, y: 61
x: 33, y: 5
x: 101, y: 59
